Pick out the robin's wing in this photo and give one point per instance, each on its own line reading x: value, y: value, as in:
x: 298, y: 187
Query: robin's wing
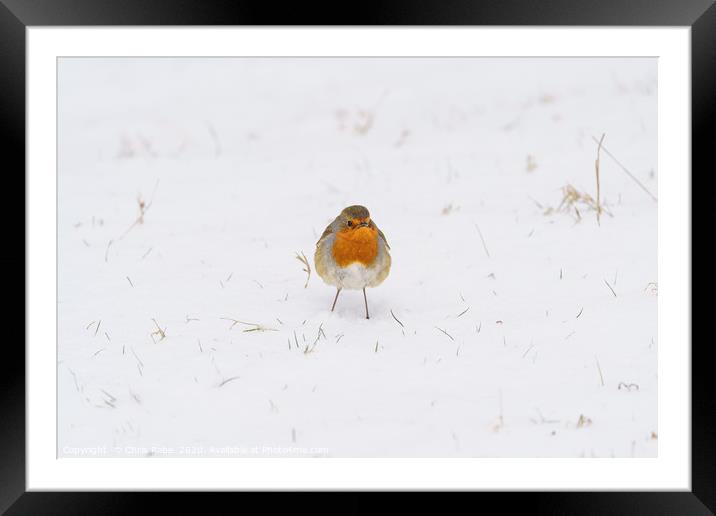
x: 326, y: 232
x: 380, y: 233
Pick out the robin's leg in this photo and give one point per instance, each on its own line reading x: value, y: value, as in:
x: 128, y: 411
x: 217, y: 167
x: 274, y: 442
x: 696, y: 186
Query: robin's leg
x: 366, y: 304
x: 335, y: 299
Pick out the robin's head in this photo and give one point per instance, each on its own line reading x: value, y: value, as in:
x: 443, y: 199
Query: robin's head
x: 354, y: 217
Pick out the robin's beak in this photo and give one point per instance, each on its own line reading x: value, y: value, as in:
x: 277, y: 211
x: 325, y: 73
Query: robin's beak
x: 362, y: 225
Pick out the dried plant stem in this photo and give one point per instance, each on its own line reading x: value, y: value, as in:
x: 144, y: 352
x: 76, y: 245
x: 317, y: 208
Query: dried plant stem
x: 143, y: 209
x: 161, y: 333
x: 596, y: 169
x: 626, y: 171
x: 302, y: 258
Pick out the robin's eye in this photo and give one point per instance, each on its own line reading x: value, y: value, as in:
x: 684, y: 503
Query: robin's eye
x: 350, y: 223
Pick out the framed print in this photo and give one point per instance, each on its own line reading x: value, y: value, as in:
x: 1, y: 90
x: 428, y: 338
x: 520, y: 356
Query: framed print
x: 438, y: 250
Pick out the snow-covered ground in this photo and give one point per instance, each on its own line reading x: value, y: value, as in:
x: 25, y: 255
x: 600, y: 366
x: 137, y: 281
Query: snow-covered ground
x: 512, y: 347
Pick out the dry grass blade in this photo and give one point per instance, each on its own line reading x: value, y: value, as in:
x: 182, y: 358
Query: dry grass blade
x: 106, y: 251
x: 572, y: 199
x: 161, y: 333
x: 143, y: 209
x: 302, y: 258
x: 610, y: 288
x: 224, y: 382
x: 446, y: 333
x: 139, y: 361
x: 527, y: 350
x: 254, y: 326
x: 599, y: 368
x: 318, y: 336
x: 626, y: 171
x: 258, y: 327
x: 484, y: 245
x: 396, y: 319
x: 583, y: 421
x: 596, y: 169
x: 309, y: 348
x: 111, y: 398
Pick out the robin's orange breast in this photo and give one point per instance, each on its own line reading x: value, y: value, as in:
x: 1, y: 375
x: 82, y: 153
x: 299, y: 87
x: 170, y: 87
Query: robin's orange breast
x: 355, y: 245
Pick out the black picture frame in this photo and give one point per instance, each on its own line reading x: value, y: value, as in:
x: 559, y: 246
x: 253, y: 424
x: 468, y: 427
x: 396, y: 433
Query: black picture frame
x: 16, y: 15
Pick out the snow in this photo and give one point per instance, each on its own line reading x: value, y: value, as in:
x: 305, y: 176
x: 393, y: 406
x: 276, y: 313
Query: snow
x: 512, y: 348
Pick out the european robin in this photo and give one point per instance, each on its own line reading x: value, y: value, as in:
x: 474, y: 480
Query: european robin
x: 352, y: 253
